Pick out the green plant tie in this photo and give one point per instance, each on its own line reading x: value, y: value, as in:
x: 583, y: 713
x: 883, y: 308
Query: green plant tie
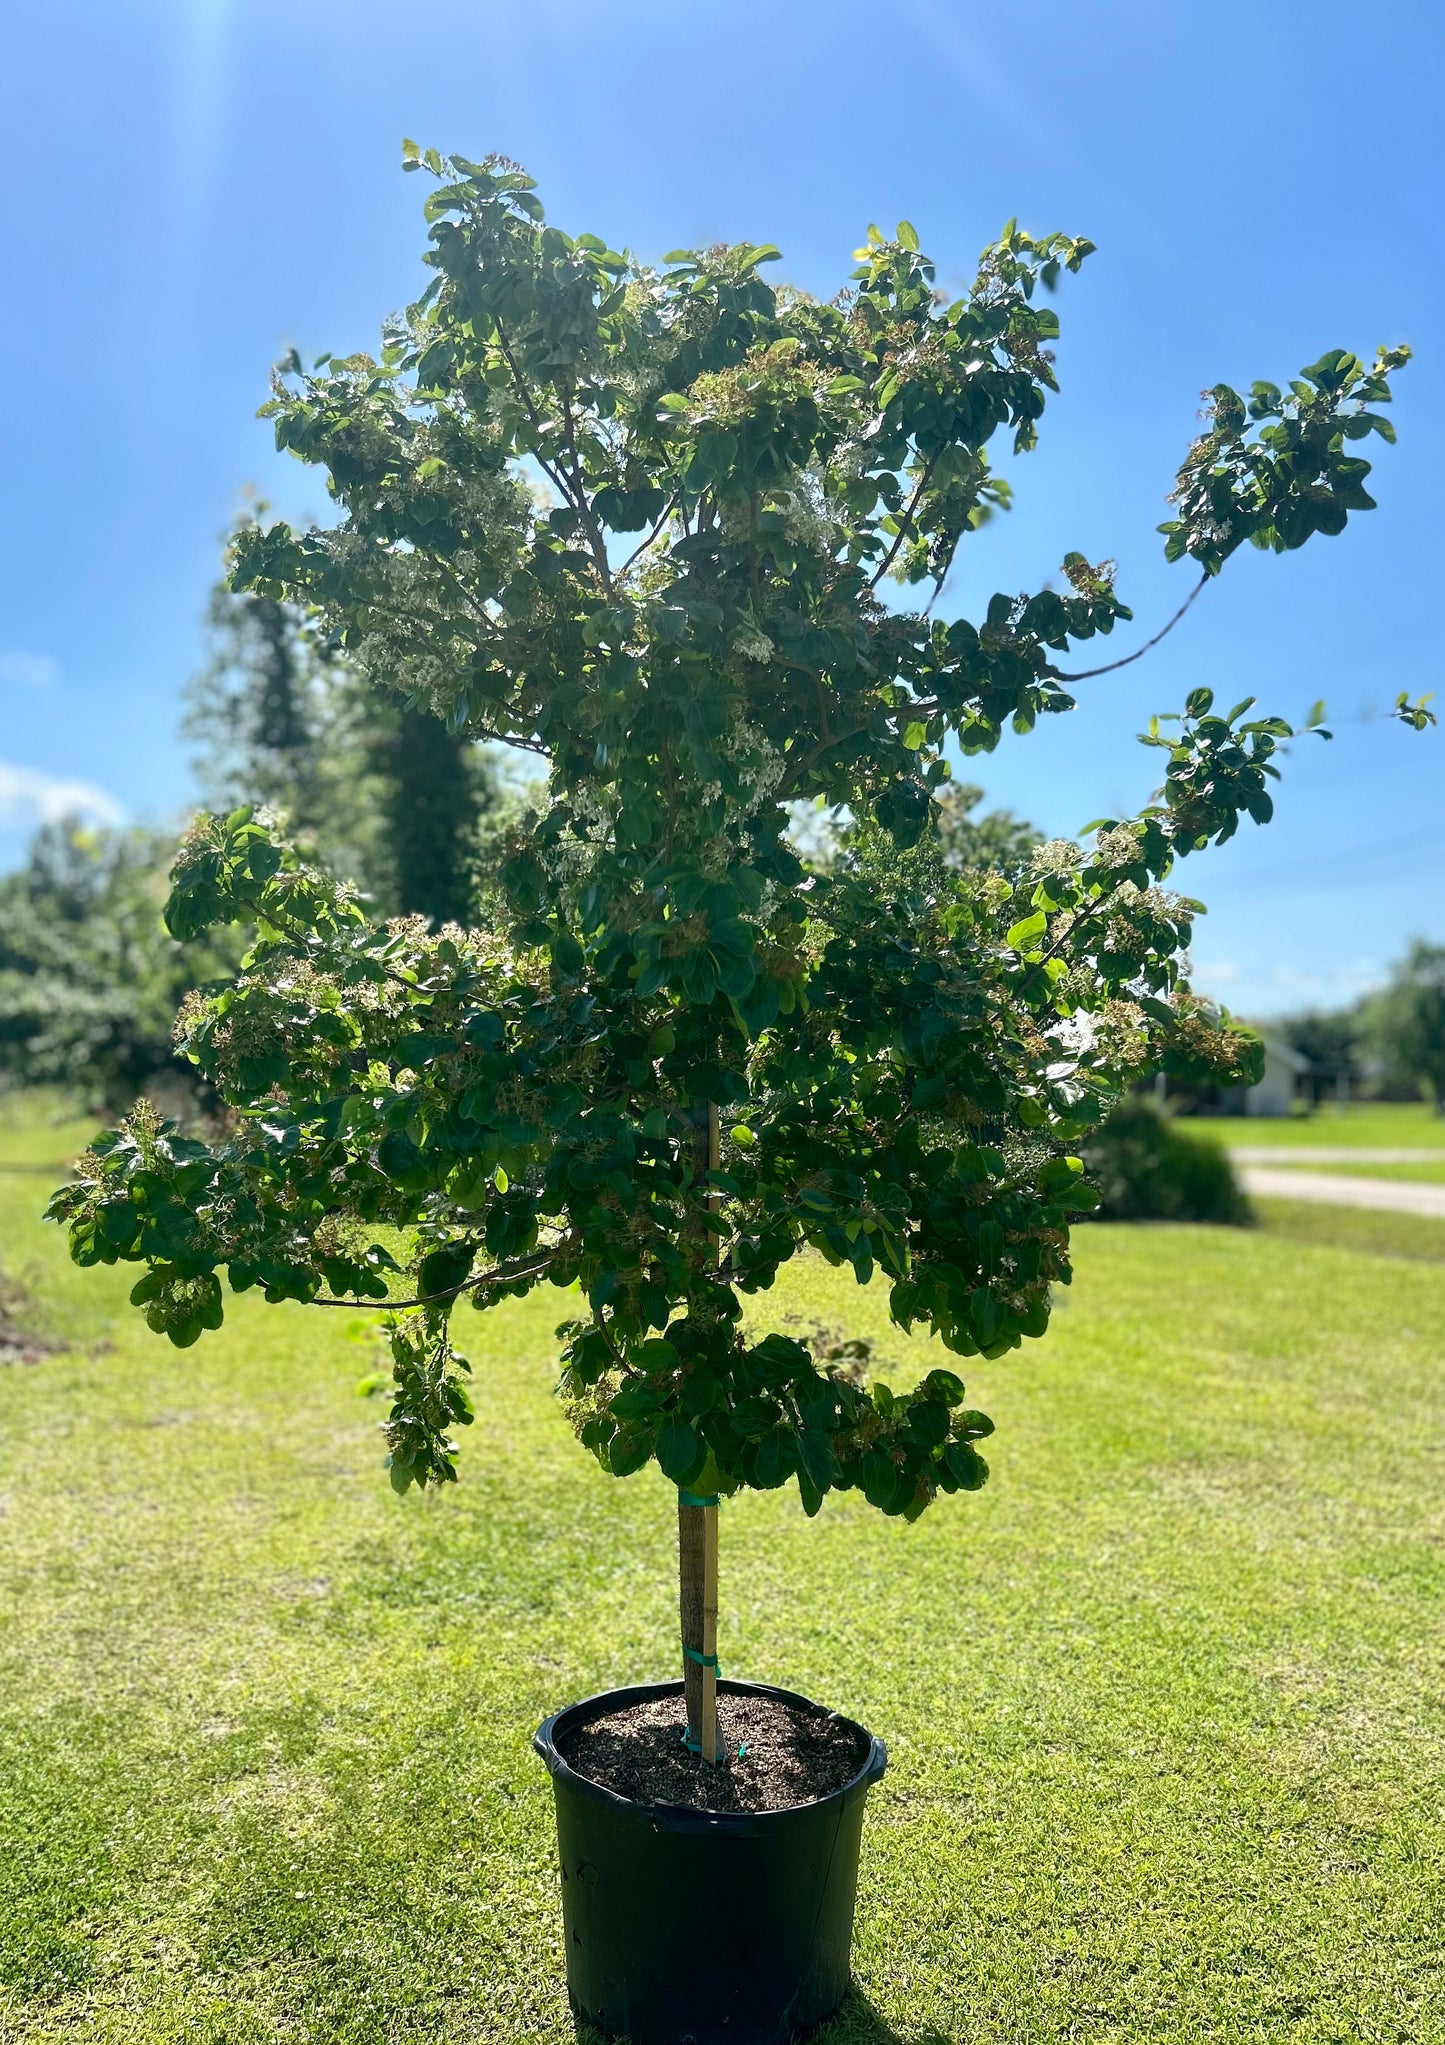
x: 691, y: 1498
x: 704, y: 1661
x: 695, y: 1746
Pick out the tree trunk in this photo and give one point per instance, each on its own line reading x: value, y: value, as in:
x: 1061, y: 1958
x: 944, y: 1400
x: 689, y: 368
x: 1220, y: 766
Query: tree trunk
x: 697, y: 1524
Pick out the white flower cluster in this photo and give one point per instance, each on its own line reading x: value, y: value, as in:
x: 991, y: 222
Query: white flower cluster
x: 1058, y: 855
x: 1118, y: 846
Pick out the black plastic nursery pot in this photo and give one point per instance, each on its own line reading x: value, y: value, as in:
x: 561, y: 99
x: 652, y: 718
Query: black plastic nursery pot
x: 687, y: 1927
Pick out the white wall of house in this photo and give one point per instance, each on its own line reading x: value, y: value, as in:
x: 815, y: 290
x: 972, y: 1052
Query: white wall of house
x: 1273, y: 1093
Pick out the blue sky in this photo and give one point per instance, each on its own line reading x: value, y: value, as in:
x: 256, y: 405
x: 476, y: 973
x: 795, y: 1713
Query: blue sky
x: 193, y: 185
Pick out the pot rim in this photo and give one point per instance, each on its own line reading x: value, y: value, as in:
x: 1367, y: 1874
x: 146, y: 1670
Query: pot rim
x: 684, y: 1817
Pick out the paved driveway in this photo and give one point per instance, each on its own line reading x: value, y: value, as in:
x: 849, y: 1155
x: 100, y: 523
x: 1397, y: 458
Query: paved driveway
x: 1338, y: 1189
x: 1330, y: 1154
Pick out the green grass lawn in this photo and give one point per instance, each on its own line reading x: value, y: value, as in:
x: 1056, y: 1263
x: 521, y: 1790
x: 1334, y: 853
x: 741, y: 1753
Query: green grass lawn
x: 1165, y: 1703
x: 1371, y: 1124
x: 1374, y: 1231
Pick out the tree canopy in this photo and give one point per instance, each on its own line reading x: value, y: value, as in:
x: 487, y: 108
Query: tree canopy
x: 1404, y: 1024
x: 683, y: 535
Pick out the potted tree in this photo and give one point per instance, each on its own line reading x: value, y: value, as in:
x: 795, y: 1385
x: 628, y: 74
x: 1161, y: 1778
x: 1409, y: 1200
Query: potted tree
x: 641, y: 522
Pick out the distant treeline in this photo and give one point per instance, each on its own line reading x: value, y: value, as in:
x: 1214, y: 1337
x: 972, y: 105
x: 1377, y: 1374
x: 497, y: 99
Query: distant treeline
x: 1391, y: 1042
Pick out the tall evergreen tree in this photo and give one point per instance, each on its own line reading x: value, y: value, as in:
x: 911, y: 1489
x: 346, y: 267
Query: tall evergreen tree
x: 383, y: 791
x: 262, y: 710
x: 434, y: 788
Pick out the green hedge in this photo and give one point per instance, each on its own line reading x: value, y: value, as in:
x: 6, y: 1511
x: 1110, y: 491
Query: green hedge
x: 1146, y: 1170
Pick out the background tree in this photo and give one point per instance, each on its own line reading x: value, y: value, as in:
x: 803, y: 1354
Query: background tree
x: 434, y: 793
x: 380, y: 788
x: 265, y: 714
x: 90, y: 978
x: 997, y: 840
x: 1404, y: 1024
x: 1331, y: 1040
x: 680, y: 1057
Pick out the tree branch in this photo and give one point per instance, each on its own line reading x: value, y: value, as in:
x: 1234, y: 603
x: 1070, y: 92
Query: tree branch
x: 474, y: 604
x: 1087, y: 914
x: 500, y: 1274
x: 638, y: 551
x: 907, y: 520
x: 553, y: 475
x: 310, y: 942
x: 825, y: 744
x: 929, y: 706
x: 1090, y: 673
x: 583, y: 502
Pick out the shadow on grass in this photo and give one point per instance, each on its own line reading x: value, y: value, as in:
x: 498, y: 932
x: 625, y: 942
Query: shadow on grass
x: 857, y: 2022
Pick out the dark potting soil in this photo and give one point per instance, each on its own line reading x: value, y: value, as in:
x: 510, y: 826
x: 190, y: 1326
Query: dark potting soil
x: 770, y: 1755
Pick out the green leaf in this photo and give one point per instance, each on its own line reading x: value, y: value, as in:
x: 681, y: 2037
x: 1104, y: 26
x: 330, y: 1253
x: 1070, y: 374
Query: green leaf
x: 680, y: 1451
x: 1022, y: 934
x: 636, y: 1401
x: 445, y: 1270
x: 964, y: 1464
x: 773, y: 1460
x: 398, y: 1156
x: 815, y: 1459
x: 629, y: 1450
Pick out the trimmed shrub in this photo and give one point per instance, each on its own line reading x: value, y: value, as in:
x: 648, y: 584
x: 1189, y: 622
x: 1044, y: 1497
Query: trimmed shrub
x: 1145, y: 1169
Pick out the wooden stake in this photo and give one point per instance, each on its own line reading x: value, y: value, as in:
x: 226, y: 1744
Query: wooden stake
x: 709, y: 1632
x: 697, y: 1525
x: 697, y: 1600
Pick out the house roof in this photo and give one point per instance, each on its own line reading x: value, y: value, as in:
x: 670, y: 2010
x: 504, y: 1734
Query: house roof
x: 1276, y: 1047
